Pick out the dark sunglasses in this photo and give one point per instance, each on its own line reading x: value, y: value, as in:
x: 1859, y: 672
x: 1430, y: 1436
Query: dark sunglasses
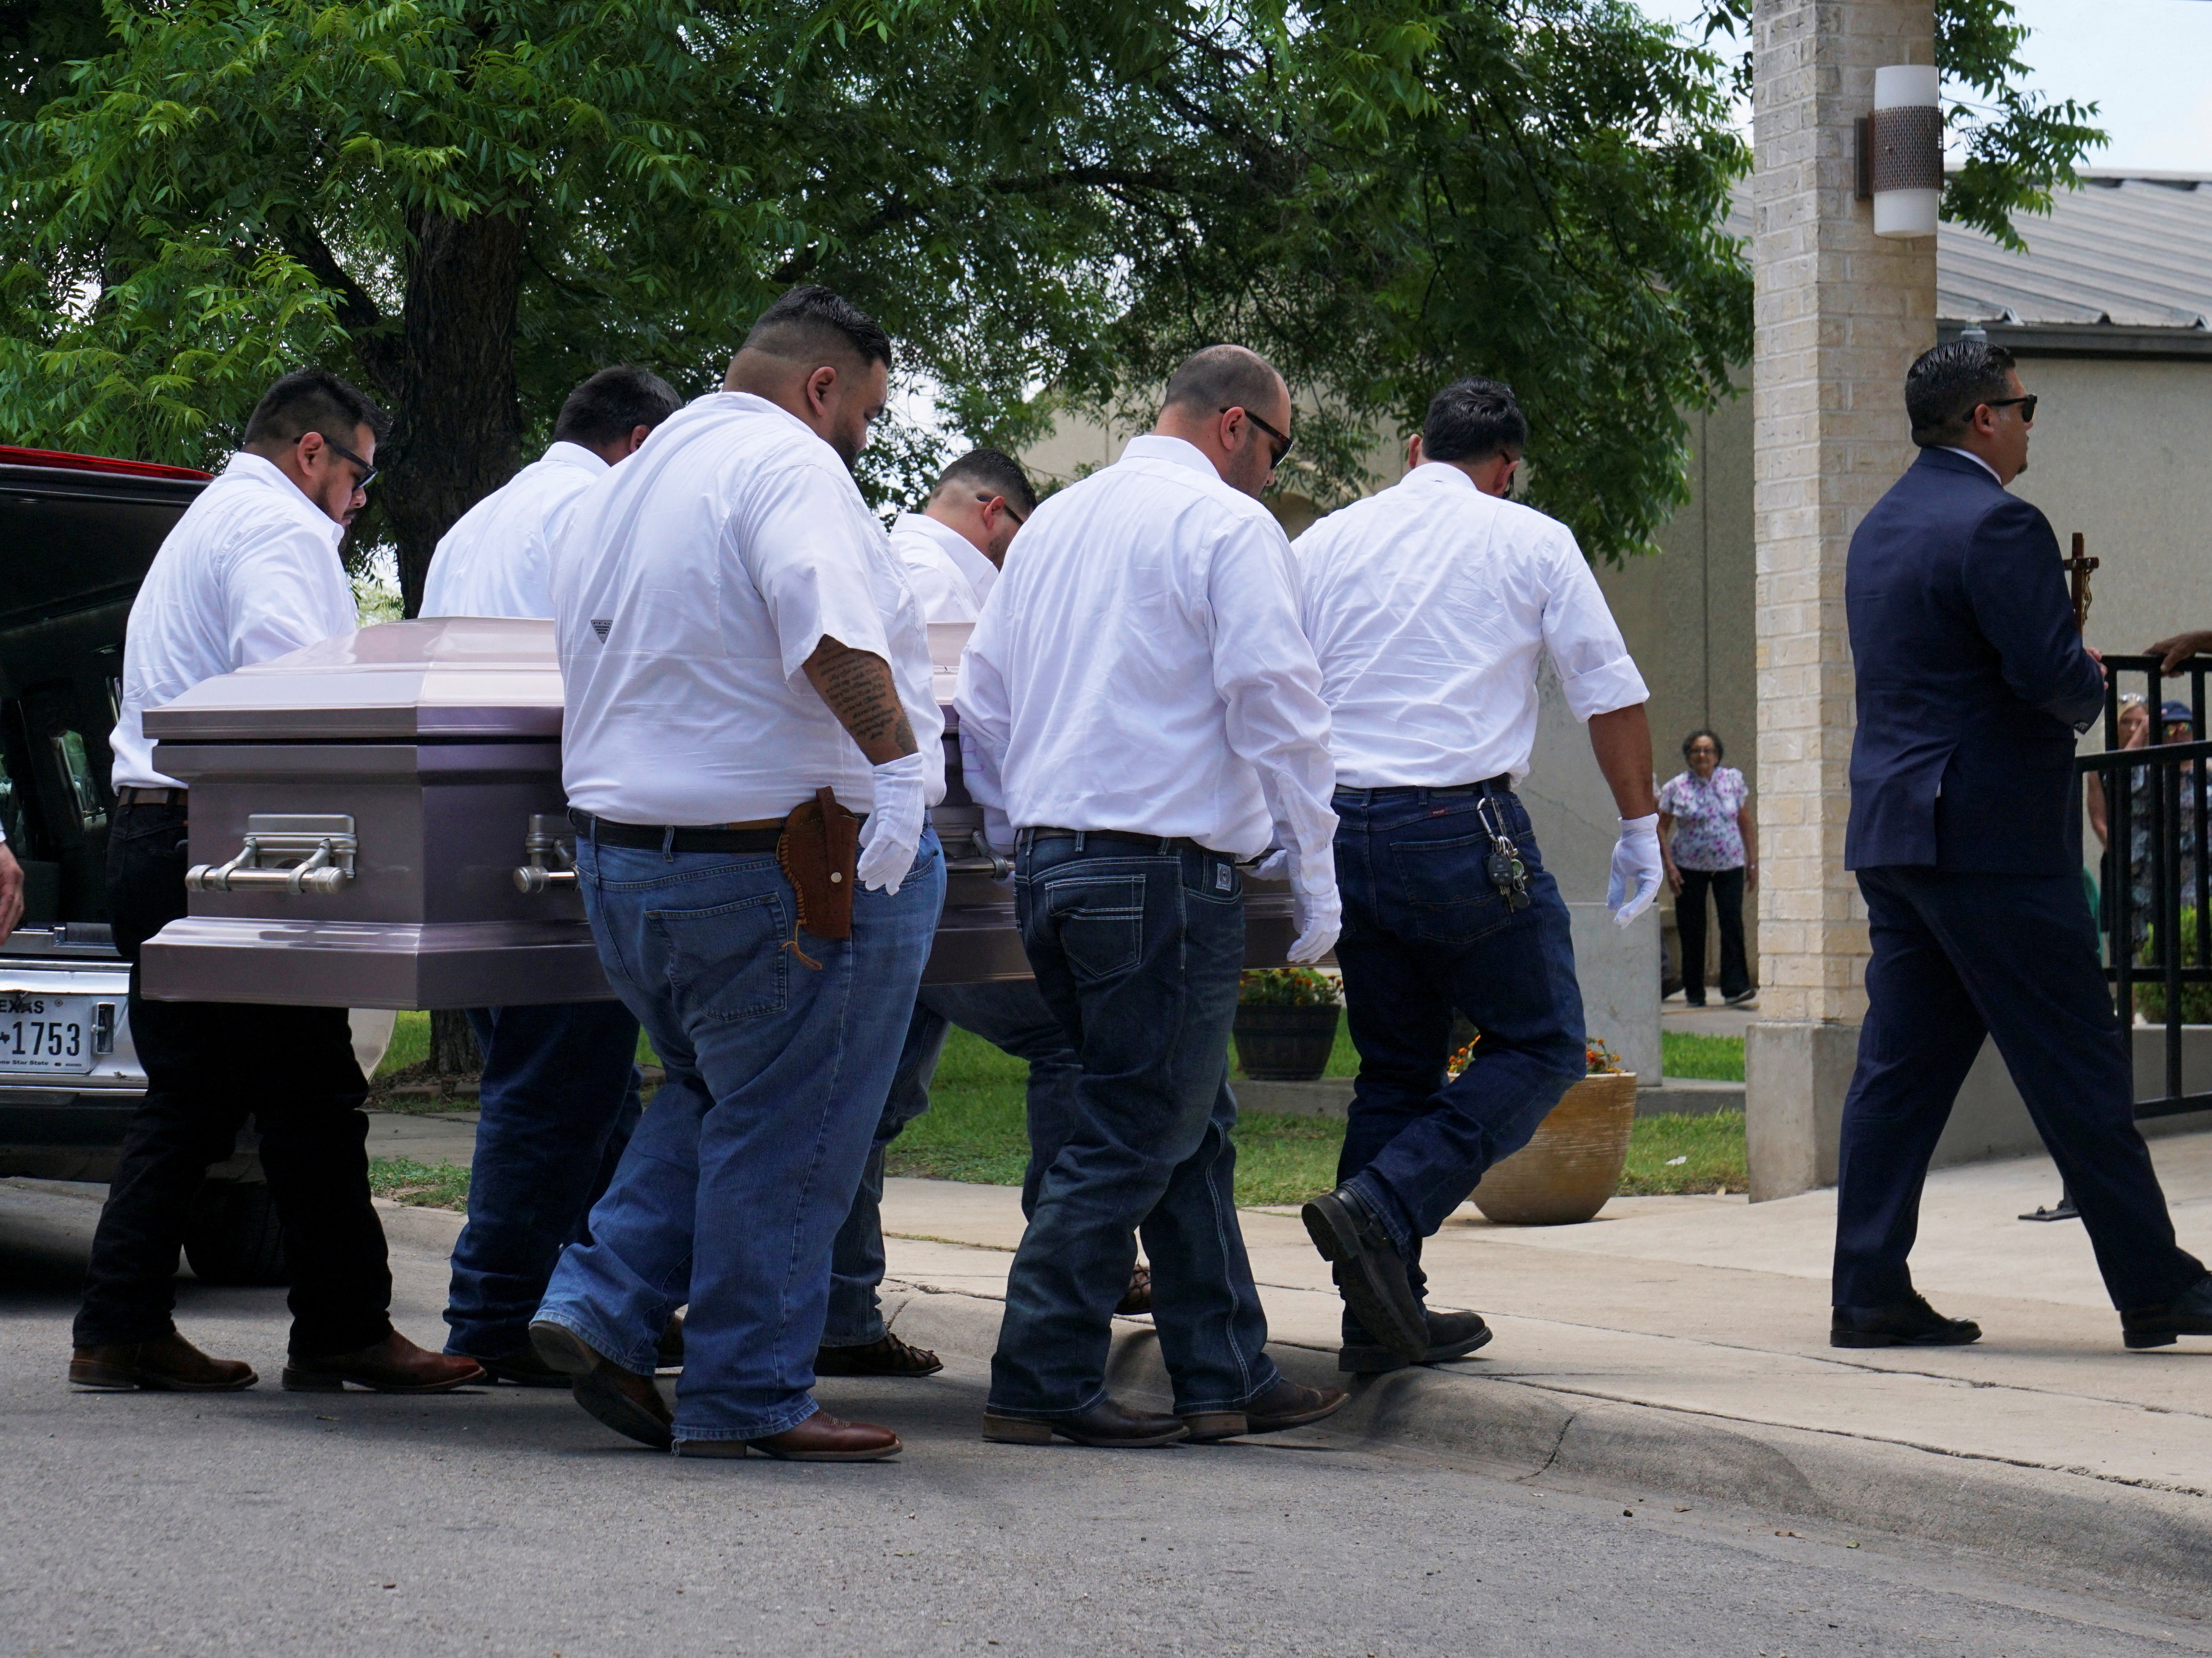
x: 368, y: 471
x: 1277, y: 456
x: 2027, y: 405
x: 1004, y: 505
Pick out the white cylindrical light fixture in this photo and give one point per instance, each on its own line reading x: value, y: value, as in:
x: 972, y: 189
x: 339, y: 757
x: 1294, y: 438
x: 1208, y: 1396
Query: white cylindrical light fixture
x: 1905, y: 144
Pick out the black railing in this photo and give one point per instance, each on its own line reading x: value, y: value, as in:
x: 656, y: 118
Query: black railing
x: 2158, y: 933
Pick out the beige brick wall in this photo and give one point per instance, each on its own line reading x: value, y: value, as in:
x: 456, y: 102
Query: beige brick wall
x: 1840, y: 314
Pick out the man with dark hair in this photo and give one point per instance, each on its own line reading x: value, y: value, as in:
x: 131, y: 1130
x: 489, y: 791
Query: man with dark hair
x: 952, y: 550
x: 560, y: 1091
x: 1442, y: 585
x: 745, y: 669
x: 249, y: 573
x: 495, y: 559
x: 1972, y: 686
x: 1139, y: 706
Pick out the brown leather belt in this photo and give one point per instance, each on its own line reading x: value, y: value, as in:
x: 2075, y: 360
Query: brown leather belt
x: 132, y: 795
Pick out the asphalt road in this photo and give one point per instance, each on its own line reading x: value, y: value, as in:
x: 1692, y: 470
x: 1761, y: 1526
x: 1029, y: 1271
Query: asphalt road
x: 505, y: 1521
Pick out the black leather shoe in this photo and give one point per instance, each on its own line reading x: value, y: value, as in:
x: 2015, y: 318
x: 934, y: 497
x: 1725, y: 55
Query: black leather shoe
x: 1374, y: 1279
x: 1107, y: 1425
x: 524, y: 1369
x: 886, y: 1356
x: 1286, y: 1405
x: 1911, y: 1323
x: 1451, y: 1335
x: 2189, y: 1314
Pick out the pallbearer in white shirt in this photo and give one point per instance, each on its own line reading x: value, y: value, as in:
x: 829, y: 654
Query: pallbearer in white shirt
x: 952, y: 549
x: 250, y: 571
x: 1140, y: 703
x: 1428, y: 605
x: 560, y: 1090
x: 736, y: 639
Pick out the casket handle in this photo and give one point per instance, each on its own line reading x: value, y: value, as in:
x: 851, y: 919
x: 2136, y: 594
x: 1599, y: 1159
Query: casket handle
x: 284, y: 851
x: 546, y: 842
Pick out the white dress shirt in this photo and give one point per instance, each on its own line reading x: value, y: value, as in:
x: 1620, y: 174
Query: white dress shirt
x: 1139, y: 667
x: 497, y: 560
x: 1953, y: 448
x: 949, y: 574
x: 1427, y: 603
x: 690, y: 585
x: 251, y: 571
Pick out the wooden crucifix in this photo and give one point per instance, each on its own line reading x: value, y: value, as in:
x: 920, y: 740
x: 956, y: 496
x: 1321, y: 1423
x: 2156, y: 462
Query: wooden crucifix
x: 2078, y: 567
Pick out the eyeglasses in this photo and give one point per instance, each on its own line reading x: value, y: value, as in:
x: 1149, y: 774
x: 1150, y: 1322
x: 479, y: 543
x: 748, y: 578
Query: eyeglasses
x: 1004, y: 505
x: 2026, y: 406
x: 368, y: 471
x: 1278, y: 456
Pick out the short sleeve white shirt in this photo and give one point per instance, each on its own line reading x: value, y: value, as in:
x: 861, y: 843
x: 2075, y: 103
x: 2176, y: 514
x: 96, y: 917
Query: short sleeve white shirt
x: 690, y: 585
x: 950, y: 575
x: 1428, y: 605
x: 1139, y: 667
x: 497, y: 560
x: 250, y: 571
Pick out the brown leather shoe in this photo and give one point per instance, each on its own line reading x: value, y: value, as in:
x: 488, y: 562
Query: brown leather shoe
x: 393, y: 1365
x: 623, y: 1400
x: 889, y: 1357
x: 821, y: 1438
x: 1138, y: 1297
x: 1286, y: 1405
x: 168, y: 1365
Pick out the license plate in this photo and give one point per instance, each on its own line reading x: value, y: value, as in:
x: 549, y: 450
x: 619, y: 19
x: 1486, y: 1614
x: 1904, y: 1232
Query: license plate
x: 40, y: 1031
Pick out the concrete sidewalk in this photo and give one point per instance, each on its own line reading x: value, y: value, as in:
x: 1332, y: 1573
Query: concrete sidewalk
x: 1685, y: 1339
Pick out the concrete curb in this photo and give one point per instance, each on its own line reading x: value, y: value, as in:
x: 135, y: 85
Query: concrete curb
x: 419, y: 1228
x: 2046, y: 1520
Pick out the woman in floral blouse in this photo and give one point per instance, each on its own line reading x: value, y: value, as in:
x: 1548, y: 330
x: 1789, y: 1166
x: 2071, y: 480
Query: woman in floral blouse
x: 1710, y: 843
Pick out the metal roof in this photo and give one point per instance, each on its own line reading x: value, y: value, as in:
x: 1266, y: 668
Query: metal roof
x: 2125, y: 250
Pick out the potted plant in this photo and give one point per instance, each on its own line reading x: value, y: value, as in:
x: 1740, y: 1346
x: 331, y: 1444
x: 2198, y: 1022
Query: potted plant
x: 1286, y: 1025
x: 1573, y: 1161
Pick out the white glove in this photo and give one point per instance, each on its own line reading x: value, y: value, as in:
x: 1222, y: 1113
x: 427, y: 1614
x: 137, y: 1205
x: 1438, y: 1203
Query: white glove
x: 1635, y: 869
x: 1320, y: 918
x: 893, y: 831
x: 1274, y: 867
x: 997, y: 832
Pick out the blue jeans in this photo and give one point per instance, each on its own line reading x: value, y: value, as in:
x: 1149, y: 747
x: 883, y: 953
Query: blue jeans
x: 1013, y: 1016
x: 778, y: 1047
x: 560, y: 1099
x: 1137, y: 952
x: 1425, y: 931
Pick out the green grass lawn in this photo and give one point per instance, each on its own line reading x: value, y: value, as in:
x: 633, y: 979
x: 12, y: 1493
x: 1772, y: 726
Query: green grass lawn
x: 1685, y: 1053
x: 973, y: 1130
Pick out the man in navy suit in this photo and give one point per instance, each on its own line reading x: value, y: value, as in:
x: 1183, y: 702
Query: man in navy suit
x: 1973, y: 683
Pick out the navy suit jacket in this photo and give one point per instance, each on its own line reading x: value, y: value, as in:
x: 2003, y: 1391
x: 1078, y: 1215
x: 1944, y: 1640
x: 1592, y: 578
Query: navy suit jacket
x: 1972, y: 681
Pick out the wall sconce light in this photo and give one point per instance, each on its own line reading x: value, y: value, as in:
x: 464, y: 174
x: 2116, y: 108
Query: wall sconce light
x: 1901, y: 151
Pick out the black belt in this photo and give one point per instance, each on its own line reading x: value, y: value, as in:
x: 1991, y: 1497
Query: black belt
x: 1159, y: 845
x: 132, y: 795
x: 1501, y: 784
x: 673, y: 837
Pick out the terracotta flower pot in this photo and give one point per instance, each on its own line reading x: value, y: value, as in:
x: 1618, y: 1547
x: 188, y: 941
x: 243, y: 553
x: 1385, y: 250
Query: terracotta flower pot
x: 1573, y: 1163
x: 1279, y: 1044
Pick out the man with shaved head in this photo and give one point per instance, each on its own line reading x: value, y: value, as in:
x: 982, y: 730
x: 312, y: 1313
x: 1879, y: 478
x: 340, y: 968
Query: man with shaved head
x: 1139, y: 706
x: 745, y: 668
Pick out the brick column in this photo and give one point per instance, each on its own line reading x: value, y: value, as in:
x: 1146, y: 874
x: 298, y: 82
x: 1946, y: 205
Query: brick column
x: 1840, y: 314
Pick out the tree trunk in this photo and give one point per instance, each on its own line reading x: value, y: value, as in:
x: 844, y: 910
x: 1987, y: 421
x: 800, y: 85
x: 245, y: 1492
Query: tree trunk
x: 453, y: 1050
x: 459, y: 430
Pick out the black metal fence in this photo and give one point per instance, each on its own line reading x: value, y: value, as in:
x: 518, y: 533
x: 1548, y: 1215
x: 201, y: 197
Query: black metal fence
x: 2158, y: 936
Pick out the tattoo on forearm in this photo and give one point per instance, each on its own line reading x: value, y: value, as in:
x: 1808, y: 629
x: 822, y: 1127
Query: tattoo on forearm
x: 858, y: 687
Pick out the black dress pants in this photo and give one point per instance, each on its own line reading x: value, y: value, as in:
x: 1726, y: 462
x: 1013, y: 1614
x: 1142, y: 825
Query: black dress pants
x: 209, y: 1066
x: 1726, y: 888
x: 1957, y: 958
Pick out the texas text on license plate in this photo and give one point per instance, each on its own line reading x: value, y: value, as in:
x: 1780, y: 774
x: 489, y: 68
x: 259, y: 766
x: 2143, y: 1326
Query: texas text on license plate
x: 39, y: 1031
